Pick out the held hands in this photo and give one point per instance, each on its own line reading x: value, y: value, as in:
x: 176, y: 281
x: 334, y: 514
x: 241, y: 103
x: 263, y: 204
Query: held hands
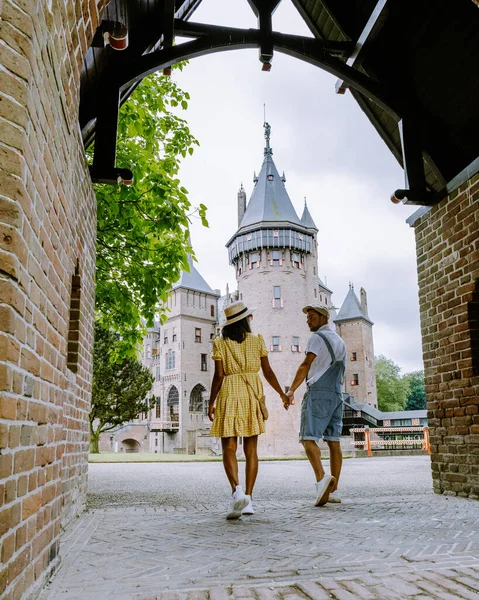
x: 287, y: 399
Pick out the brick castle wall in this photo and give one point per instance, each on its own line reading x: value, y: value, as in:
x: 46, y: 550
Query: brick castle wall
x: 448, y: 272
x: 47, y: 265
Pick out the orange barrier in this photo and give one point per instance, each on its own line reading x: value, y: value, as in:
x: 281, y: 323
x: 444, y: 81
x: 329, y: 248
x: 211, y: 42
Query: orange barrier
x: 368, y: 442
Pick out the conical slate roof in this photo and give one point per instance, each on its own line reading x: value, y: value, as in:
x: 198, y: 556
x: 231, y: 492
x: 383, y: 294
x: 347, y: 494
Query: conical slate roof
x: 193, y: 280
x: 351, y: 308
x: 269, y: 201
x: 325, y: 287
x: 307, y: 219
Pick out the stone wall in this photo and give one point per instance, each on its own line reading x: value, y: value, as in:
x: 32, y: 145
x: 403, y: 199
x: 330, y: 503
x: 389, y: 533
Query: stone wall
x: 448, y: 271
x: 47, y: 258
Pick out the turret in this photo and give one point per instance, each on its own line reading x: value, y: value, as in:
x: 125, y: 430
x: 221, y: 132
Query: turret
x: 241, y: 204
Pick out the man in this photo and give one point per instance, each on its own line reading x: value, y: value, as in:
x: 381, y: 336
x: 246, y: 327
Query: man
x: 322, y: 406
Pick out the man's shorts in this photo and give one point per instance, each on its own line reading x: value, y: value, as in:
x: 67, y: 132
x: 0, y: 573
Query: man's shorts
x: 321, y: 416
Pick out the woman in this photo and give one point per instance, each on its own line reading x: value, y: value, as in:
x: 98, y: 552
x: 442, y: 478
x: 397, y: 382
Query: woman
x: 237, y: 388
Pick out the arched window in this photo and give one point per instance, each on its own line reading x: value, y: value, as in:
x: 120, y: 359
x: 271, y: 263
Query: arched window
x: 173, y: 404
x: 198, y: 400
x: 158, y: 408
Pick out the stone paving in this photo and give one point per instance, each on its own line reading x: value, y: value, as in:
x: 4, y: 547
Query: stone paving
x: 177, y: 545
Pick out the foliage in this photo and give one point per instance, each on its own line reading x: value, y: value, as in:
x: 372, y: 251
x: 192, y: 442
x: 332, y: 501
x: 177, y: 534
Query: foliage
x: 143, y: 230
x: 417, y: 394
x: 119, y: 387
x: 392, y: 389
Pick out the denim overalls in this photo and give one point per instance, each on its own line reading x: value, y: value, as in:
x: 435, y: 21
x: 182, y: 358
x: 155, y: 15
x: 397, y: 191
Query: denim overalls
x: 322, y: 406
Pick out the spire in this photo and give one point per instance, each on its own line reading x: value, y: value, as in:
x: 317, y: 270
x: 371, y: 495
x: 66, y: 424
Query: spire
x: 307, y: 219
x: 351, y: 308
x: 269, y: 201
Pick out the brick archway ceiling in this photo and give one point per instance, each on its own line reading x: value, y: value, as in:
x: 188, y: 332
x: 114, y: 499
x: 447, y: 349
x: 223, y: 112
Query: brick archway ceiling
x: 410, y: 64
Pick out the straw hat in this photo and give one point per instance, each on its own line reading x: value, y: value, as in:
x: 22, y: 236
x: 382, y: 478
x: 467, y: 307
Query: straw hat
x: 321, y: 310
x: 235, y: 312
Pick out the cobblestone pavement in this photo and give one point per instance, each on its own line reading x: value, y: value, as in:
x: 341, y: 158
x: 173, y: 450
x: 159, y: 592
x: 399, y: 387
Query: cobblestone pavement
x: 168, y: 540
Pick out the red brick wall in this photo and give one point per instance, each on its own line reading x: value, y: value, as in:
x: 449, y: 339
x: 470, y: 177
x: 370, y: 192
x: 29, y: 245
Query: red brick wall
x: 47, y: 225
x: 448, y: 271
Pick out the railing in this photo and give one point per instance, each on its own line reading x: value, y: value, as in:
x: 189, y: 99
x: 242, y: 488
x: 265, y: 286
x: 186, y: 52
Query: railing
x: 156, y: 425
x: 368, y: 442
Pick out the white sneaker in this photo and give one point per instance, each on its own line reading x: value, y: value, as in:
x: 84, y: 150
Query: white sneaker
x: 249, y: 510
x: 239, y: 500
x: 323, y: 488
x: 334, y: 497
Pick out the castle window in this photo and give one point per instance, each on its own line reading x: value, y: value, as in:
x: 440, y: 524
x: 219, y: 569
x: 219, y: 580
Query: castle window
x: 173, y: 335
x: 355, y: 379
x: 198, y: 335
x: 276, y: 346
x: 204, y: 363
x: 270, y: 177
x: 212, y: 310
x: 354, y: 356
x: 314, y: 270
x: 158, y: 408
x: 296, y: 261
x: 277, y: 300
x: 325, y: 299
x: 148, y: 351
x: 158, y: 374
x: 295, y: 345
x: 315, y: 293
x: 165, y: 336
x: 254, y: 260
x: 276, y: 259
x: 170, y: 360
x: 73, y: 340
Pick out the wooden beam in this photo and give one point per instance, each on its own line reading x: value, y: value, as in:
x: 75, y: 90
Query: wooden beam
x: 370, y: 31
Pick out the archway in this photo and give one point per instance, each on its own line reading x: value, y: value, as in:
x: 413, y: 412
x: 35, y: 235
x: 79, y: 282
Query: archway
x: 130, y: 445
x: 198, y: 400
x: 173, y: 404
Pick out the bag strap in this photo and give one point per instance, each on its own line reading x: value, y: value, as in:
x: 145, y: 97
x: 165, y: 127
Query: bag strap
x: 328, y: 345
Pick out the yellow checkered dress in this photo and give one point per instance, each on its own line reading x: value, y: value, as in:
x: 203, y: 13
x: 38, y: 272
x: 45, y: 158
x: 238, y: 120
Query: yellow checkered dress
x: 237, y: 411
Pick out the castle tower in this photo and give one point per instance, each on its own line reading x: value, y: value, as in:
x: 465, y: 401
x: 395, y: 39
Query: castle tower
x: 275, y: 257
x: 183, y: 368
x: 355, y: 327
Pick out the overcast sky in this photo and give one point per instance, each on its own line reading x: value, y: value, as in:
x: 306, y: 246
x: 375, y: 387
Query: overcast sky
x: 330, y: 153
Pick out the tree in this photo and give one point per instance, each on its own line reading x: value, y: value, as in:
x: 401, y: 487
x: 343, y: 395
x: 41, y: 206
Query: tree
x: 120, y: 387
x: 391, y: 387
x: 417, y: 394
x: 143, y: 229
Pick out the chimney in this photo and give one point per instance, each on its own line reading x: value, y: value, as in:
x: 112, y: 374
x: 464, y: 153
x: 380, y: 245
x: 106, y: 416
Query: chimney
x: 241, y: 204
x: 364, y: 302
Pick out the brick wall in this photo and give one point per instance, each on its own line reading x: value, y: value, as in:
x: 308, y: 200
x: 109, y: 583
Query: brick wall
x: 47, y: 225
x: 448, y: 272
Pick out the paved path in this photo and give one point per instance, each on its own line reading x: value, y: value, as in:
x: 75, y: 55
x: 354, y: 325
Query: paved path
x: 157, y: 531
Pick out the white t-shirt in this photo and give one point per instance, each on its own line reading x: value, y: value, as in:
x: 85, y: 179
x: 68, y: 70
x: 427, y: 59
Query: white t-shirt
x: 323, y: 359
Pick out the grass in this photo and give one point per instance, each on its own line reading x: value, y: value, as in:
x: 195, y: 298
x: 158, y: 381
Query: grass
x: 137, y: 457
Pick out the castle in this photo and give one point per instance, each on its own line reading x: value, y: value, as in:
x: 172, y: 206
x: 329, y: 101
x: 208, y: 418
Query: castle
x: 275, y: 257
